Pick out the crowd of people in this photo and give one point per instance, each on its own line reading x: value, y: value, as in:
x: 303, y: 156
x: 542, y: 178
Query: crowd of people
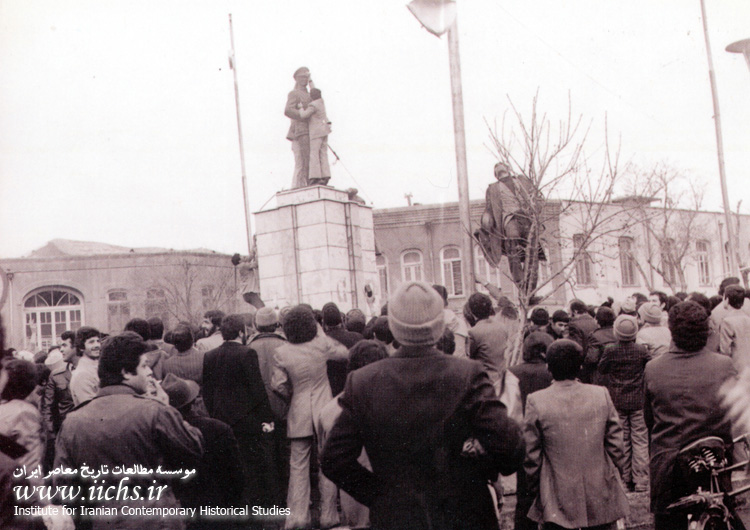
x: 320, y: 419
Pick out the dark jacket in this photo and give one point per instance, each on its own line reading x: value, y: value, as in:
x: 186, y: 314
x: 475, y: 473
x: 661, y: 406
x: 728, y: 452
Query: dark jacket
x: 265, y: 344
x: 219, y: 478
x: 412, y: 413
x: 623, y: 363
x: 580, y: 329
x: 599, y: 339
x: 532, y: 376
x: 233, y: 389
x: 121, y: 428
x: 57, y: 400
x: 682, y: 405
x: 337, y: 368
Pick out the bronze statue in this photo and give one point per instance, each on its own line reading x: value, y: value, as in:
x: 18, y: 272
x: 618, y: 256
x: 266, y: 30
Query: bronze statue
x: 507, y: 220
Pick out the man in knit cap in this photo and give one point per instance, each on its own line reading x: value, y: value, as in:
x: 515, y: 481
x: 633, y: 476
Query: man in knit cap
x: 431, y: 424
x: 623, y: 364
x: 558, y: 326
x: 654, y: 334
x: 539, y: 320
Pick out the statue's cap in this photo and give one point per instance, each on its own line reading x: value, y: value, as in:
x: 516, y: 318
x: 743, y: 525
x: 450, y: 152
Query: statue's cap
x: 301, y: 70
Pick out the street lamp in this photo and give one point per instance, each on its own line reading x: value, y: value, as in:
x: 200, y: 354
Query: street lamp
x: 743, y: 47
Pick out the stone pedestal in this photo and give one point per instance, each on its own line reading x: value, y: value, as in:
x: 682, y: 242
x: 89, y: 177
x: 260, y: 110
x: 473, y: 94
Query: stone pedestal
x: 316, y: 246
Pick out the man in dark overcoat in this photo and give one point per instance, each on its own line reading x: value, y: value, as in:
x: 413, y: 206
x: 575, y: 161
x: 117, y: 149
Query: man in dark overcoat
x: 234, y: 393
x: 431, y: 424
x: 682, y: 405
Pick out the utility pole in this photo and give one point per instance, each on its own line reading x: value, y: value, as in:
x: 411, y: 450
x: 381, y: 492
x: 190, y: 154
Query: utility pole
x: 464, y: 212
x: 733, y: 267
x: 437, y: 17
x: 233, y: 66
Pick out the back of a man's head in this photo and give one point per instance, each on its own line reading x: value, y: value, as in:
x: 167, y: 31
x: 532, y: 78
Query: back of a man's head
x: 700, y: 299
x: 726, y: 282
x: 215, y: 316
x: 300, y: 325
x: 140, y: 326
x: 232, y: 326
x: 480, y: 305
x: 331, y: 315
x: 442, y: 291
x: 535, y: 346
x: 23, y: 377
x: 365, y: 352
x: 155, y: 328
x: 605, y: 317
x: 735, y: 296
x: 182, y: 338
x: 381, y: 330
x: 355, y: 320
x: 564, y: 359
x: 120, y: 353
x: 539, y: 316
x: 688, y: 323
x: 578, y: 307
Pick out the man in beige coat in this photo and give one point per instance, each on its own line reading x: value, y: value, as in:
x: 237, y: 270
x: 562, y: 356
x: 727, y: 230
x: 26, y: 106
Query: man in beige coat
x: 300, y: 376
x: 574, y: 448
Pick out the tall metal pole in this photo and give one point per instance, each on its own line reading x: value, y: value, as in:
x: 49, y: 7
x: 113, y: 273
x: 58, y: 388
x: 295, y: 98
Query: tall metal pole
x: 233, y: 64
x: 464, y: 214
x: 733, y: 268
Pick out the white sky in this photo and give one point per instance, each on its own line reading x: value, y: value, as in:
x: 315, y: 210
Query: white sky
x: 117, y: 119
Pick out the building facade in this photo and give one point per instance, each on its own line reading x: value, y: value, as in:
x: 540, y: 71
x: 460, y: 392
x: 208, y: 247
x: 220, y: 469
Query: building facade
x: 69, y: 284
x: 635, y: 247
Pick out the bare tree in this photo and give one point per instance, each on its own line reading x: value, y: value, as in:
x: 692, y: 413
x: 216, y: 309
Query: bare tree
x: 184, y: 291
x: 568, y: 184
x: 671, y: 224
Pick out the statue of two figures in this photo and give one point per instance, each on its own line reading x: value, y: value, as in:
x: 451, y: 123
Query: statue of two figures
x: 308, y: 132
x: 510, y: 223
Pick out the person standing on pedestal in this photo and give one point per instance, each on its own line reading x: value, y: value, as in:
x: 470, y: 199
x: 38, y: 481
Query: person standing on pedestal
x: 299, y: 134
x: 320, y: 128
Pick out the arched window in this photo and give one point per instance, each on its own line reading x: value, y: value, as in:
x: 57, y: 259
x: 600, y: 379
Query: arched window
x: 702, y: 251
x: 627, y: 262
x: 382, y: 264
x: 411, y: 266
x: 450, y: 261
x: 118, y: 310
x: 48, y: 312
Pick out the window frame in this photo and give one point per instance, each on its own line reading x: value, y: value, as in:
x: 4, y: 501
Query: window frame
x: 412, y: 267
x: 59, y: 317
x: 627, y: 262
x: 703, y: 261
x: 450, y: 283
x: 582, y: 259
